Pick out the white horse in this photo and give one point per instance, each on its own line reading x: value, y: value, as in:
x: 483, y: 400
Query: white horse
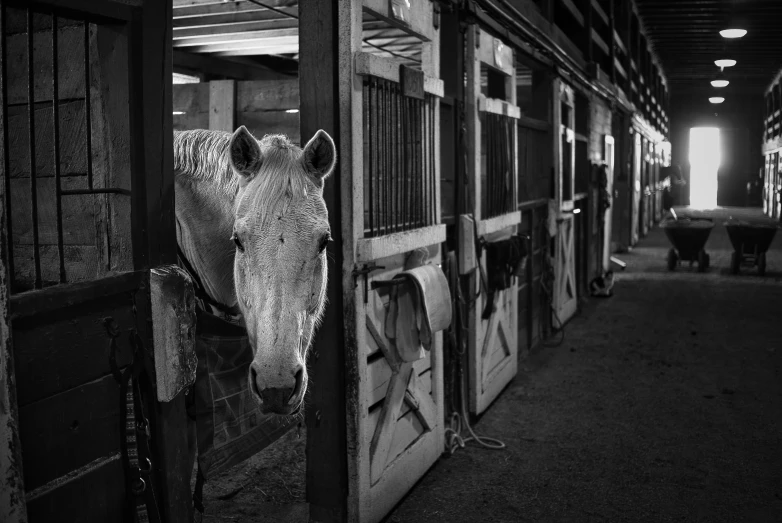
x: 252, y: 222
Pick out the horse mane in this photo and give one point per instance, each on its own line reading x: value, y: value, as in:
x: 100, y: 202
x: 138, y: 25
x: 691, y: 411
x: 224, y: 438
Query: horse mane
x: 201, y: 155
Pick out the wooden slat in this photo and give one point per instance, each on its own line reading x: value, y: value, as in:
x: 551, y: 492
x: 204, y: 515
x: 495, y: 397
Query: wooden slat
x: 96, y: 496
x: 575, y: 11
x: 370, y: 249
x: 597, y: 39
x: 69, y: 295
x: 222, y: 102
x: 388, y: 68
x: 501, y: 107
x: 70, y: 348
x: 421, y: 25
x: 69, y: 430
x: 599, y: 10
x: 498, y: 223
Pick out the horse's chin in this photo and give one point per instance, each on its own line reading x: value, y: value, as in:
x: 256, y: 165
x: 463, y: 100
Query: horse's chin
x: 284, y: 412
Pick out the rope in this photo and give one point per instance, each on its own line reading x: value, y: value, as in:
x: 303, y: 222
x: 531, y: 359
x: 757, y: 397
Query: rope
x: 458, y: 422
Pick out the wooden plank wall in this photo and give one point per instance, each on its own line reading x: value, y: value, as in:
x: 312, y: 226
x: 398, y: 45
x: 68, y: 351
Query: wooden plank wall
x: 260, y: 105
x: 95, y: 227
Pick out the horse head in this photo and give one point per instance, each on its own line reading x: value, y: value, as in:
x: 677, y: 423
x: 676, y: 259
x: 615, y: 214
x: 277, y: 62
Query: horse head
x: 280, y: 231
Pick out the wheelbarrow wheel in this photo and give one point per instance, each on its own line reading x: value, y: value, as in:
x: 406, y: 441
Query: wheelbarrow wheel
x: 734, y: 262
x: 762, y: 263
x: 703, y: 261
x: 672, y: 259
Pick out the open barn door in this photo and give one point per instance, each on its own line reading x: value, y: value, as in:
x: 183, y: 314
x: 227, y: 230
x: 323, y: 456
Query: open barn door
x: 88, y: 218
x: 565, y: 291
x: 488, y: 235
x: 388, y: 90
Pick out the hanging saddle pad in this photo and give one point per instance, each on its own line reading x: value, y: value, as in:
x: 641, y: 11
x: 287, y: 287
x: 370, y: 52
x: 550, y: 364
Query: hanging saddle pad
x: 230, y: 426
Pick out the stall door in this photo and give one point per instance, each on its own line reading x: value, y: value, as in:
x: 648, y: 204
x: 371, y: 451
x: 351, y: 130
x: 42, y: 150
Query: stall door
x: 608, y: 156
x: 491, y: 124
x: 88, y: 212
x: 565, y: 299
x: 636, y: 191
x: 777, y: 158
x: 391, y: 223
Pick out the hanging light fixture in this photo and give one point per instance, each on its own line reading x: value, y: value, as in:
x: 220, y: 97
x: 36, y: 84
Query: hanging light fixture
x: 716, y: 99
x: 733, y: 33
x: 735, y: 22
x: 725, y: 62
x: 720, y: 80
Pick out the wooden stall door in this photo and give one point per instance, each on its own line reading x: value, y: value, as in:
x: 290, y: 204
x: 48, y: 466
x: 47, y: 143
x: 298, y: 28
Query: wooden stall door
x: 608, y: 156
x: 492, y: 133
x: 391, y: 223
x: 565, y: 292
x: 777, y: 158
x: 88, y: 167
x: 636, y: 191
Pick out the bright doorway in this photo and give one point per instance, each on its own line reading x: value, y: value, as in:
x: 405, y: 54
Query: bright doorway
x: 705, y: 160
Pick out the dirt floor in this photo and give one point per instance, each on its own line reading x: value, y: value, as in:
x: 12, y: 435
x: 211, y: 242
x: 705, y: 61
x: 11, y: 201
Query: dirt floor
x: 663, y: 403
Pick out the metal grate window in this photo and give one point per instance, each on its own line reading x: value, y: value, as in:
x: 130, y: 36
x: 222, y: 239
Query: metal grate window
x: 58, y: 141
x: 499, y: 173
x: 399, y: 165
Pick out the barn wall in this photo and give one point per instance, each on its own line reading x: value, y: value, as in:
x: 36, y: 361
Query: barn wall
x: 741, y: 117
x: 260, y: 105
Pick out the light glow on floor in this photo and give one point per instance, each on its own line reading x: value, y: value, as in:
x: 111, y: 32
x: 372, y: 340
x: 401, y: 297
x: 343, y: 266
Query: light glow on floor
x: 705, y: 157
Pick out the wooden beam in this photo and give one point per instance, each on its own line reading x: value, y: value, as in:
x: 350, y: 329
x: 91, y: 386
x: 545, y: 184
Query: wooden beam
x: 325, y: 73
x: 241, y: 69
x: 222, y: 105
x: 259, y: 37
x: 575, y: 11
x: 13, y: 508
x: 233, y: 28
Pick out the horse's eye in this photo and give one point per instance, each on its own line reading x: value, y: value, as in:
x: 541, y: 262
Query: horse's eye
x: 324, y: 241
x: 238, y: 242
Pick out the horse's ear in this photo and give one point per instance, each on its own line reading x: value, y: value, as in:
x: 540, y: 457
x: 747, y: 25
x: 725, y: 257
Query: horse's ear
x: 320, y: 155
x: 244, y: 153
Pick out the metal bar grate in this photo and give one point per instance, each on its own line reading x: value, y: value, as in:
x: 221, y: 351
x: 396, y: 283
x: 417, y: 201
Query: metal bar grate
x: 399, y: 166
x: 46, y: 97
x: 500, y: 170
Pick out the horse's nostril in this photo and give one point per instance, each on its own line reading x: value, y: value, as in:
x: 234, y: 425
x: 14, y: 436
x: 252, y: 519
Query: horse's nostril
x: 297, y: 388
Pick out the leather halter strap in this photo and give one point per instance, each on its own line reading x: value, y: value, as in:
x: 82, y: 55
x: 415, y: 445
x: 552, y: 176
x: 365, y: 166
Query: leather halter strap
x: 200, y: 290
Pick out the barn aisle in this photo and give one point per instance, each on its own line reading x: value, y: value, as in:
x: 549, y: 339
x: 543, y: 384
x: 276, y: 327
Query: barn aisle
x: 663, y: 403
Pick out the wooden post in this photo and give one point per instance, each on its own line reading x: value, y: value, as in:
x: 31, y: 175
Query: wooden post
x: 154, y: 177
x: 612, y: 46
x: 324, y: 73
x: 222, y: 105
x: 13, y: 508
x: 587, y: 7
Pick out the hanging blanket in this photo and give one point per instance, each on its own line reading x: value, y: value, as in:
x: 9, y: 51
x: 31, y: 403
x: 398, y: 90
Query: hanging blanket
x: 229, y: 423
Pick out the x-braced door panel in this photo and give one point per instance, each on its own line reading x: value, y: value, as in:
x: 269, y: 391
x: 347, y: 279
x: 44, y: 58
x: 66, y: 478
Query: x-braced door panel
x: 492, y: 139
x: 565, y: 299
x: 395, y: 414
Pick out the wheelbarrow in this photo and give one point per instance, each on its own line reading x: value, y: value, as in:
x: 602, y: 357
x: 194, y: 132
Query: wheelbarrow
x: 751, y: 241
x: 688, y: 237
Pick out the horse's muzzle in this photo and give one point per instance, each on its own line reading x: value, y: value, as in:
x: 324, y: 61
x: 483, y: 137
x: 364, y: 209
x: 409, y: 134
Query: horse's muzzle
x: 278, y: 400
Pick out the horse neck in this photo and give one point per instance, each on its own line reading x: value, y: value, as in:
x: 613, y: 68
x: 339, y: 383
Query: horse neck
x: 204, y: 225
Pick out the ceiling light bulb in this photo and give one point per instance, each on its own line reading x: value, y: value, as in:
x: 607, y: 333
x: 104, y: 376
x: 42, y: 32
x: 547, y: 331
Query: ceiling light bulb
x: 725, y: 63
x: 719, y: 83
x: 733, y: 33
x: 716, y: 99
